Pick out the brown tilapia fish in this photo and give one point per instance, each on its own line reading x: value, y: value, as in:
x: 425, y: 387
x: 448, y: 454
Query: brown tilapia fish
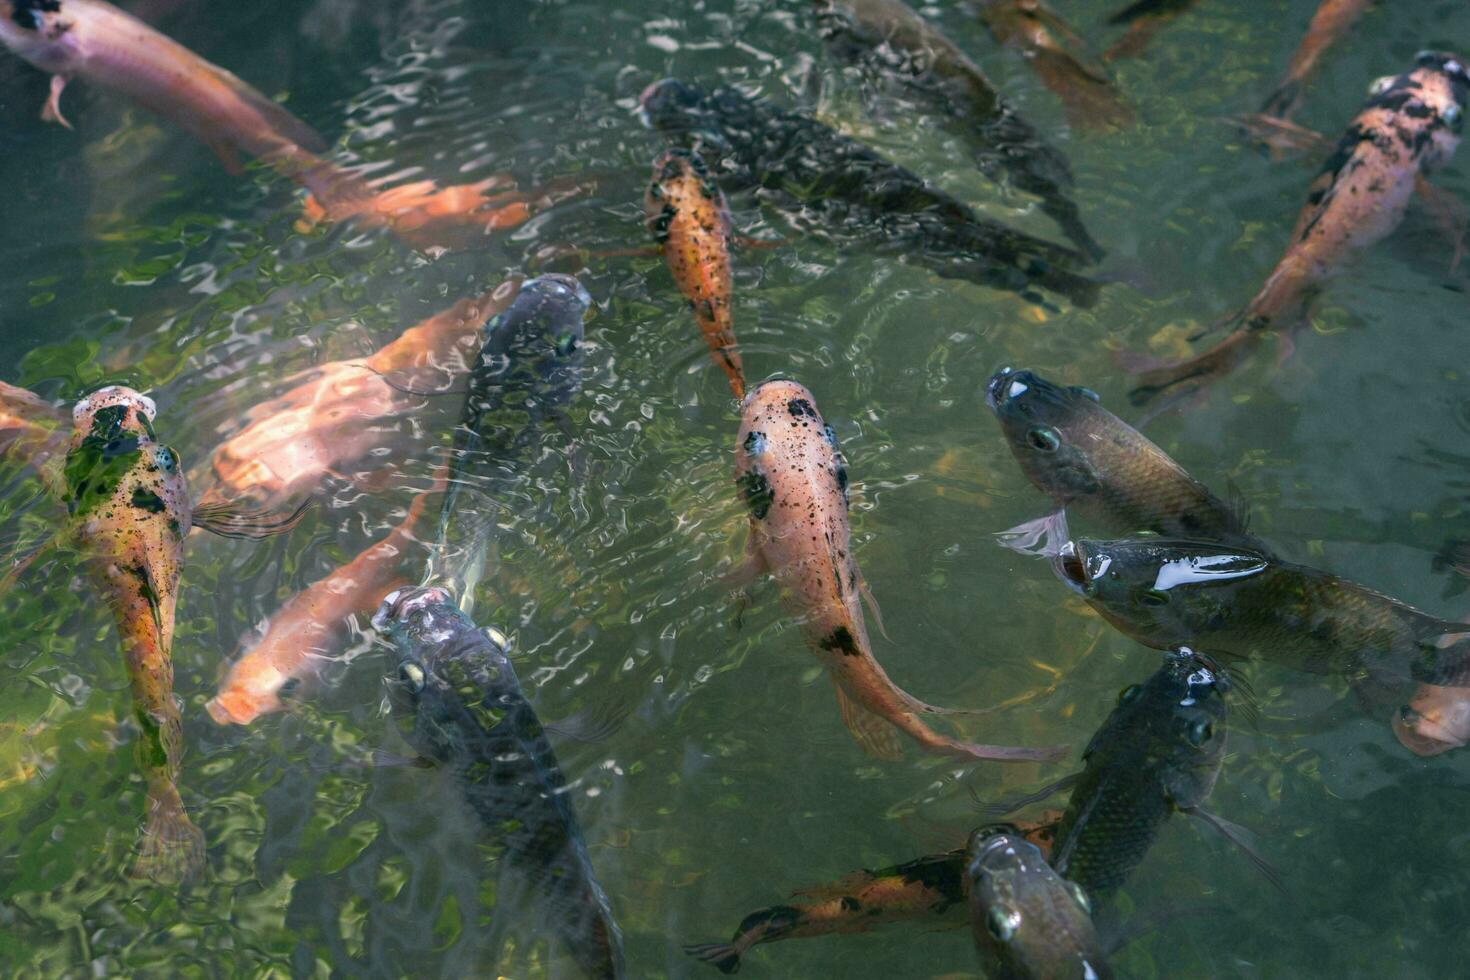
x: 793, y: 478
x: 1060, y: 59
x: 311, y: 626
x: 1409, y: 126
x: 1331, y: 22
x: 690, y: 220
x: 130, y: 511
x: 1096, y: 466
x: 1144, y: 20
x: 337, y: 414
x: 925, y: 889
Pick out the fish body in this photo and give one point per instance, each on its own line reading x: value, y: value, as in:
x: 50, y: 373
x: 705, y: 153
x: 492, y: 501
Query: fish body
x: 1097, y: 466
x: 1060, y: 59
x: 1331, y: 22
x: 893, y: 38
x: 461, y: 707
x: 1028, y: 922
x: 792, y: 475
x: 924, y: 889
x: 1143, y: 19
x: 853, y: 194
x: 690, y: 220
x: 98, y: 42
x: 1240, y: 603
x: 530, y: 363
x: 1436, y: 720
x: 1409, y: 127
x: 130, y: 510
x: 1159, y: 751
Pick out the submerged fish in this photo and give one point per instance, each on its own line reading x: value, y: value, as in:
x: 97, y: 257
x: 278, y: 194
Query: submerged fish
x: 690, y: 220
x: 1241, y: 603
x: 856, y: 195
x: 530, y: 363
x: 1028, y: 923
x: 922, y: 890
x: 1436, y: 720
x: 130, y: 511
x: 457, y: 697
x: 1144, y: 19
x: 31, y: 433
x: 1409, y: 126
x: 1158, y: 752
x: 311, y: 625
x: 1059, y: 57
x: 341, y: 412
x: 794, y: 481
x: 890, y: 37
x: 1094, y: 464
x: 1331, y: 22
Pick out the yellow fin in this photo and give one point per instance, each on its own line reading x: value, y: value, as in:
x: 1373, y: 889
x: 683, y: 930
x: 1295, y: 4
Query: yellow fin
x: 877, y: 737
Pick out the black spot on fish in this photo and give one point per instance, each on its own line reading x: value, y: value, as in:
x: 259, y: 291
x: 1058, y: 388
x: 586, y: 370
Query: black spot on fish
x: 755, y: 442
x: 799, y: 407
x: 758, y: 494
x: 850, y: 904
x: 145, y: 499
x: 27, y: 13
x: 773, y: 921
x: 1418, y: 110
x: 107, y: 422
x: 945, y: 877
x: 120, y: 447
x: 841, y: 640
x: 842, y: 481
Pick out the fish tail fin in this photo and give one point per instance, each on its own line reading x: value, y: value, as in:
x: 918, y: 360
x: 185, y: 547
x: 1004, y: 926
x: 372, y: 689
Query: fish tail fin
x: 875, y: 734
x: 724, y: 957
x: 1282, y: 102
x: 171, y: 848
x: 229, y: 521
x: 1456, y: 555
x: 1193, y: 373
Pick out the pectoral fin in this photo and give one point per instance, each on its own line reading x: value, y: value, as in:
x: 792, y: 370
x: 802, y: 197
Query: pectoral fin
x: 52, y: 110
x: 1006, y: 807
x: 1449, y: 213
x: 877, y: 737
x: 1042, y: 537
x: 1241, y: 838
x: 588, y: 725
x: 867, y: 595
x: 229, y: 521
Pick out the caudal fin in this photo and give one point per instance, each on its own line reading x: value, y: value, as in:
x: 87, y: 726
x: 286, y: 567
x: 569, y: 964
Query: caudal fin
x: 722, y: 956
x: 171, y: 849
x: 1195, y: 372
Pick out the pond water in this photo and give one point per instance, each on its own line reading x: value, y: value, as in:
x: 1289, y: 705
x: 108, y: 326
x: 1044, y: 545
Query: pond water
x: 130, y: 256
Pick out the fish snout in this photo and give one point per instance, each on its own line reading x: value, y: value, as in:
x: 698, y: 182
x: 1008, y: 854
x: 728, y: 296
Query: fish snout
x: 1070, y: 564
x: 400, y: 603
x: 997, y: 390
x: 559, y: 287
x: 1446, y: 62
x: 661, y: 103
x: 110, y: 396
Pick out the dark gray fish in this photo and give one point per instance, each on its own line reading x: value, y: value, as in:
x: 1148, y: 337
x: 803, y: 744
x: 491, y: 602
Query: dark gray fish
x: 530, y: 365
x: 457, y: 698
x: 1241, y: 603
x: 854, y: 195
x: 1028, y: 922
x: 888, y: 38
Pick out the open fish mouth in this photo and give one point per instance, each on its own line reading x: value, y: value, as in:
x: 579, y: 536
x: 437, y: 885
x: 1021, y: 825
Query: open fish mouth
x: 1070, y: 564
x: 401, y: 602
x: 1003, y: 386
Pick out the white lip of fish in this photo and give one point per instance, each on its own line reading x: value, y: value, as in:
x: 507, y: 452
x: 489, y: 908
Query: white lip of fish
x: 114, y: 395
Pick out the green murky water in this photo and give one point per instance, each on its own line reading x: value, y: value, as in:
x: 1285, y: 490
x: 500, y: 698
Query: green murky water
x: 127, y: 254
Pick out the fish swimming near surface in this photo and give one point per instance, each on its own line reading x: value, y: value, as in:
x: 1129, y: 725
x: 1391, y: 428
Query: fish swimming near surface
x: 457, y: 699
x: 1159, y: 752
x: 1028, y: 922
x: 688, y: 217
x: 1409, y: 126
x: 1435, y: 720
x: 1059, y: 57
x: 130, y: 511
x: 891, y: 38
x: 929, y: 889
x: 339, y: 413
x: 1235, y: 602
x: 847, y: 192
x: 528, y: 369
x: 1143, y: 19
x: 1331, y: 22
x: 794, y: 480
x: 108, y: 47
x: 311, y: 625
x: 1096, y: 466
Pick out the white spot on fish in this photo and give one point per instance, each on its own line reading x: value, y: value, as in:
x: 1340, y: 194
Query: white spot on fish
x: 1206, y: 568
x: 1017, y: 389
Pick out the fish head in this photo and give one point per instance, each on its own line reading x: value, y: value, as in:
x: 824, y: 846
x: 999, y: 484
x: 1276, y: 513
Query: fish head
x: 112, y: 413
x: 782, y: 431
x: 1427, y: 105
x: 1028, y: 920
x: 448, y: 672
x: 681, y: 180
x: 36, y: 30
x: 1157, y: 590
x: 1049, y: 429
x: 1435, y: 721
x: 535, y: 344
x: 671, y: 106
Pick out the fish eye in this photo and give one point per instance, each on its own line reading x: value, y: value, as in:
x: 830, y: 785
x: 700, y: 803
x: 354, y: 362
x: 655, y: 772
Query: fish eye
x: 1044, y: 439
x: 1381, y: 85
x: 1003, y: 923
x: 1129, y: 693
x: 565, y: 344
x: 1454, y: 118
x: 412, y: 676
x: 1081, y: 896
x: 1199, y: 733
x: 1154, y: 597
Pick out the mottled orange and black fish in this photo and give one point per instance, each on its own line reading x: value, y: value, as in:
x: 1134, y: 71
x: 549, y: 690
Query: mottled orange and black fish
x: 1409, y: 127
x: 922, y: 890
x: 794, y: 480
x: 690, y: 220
x: 1331, y: 22
x: 130, y: 511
